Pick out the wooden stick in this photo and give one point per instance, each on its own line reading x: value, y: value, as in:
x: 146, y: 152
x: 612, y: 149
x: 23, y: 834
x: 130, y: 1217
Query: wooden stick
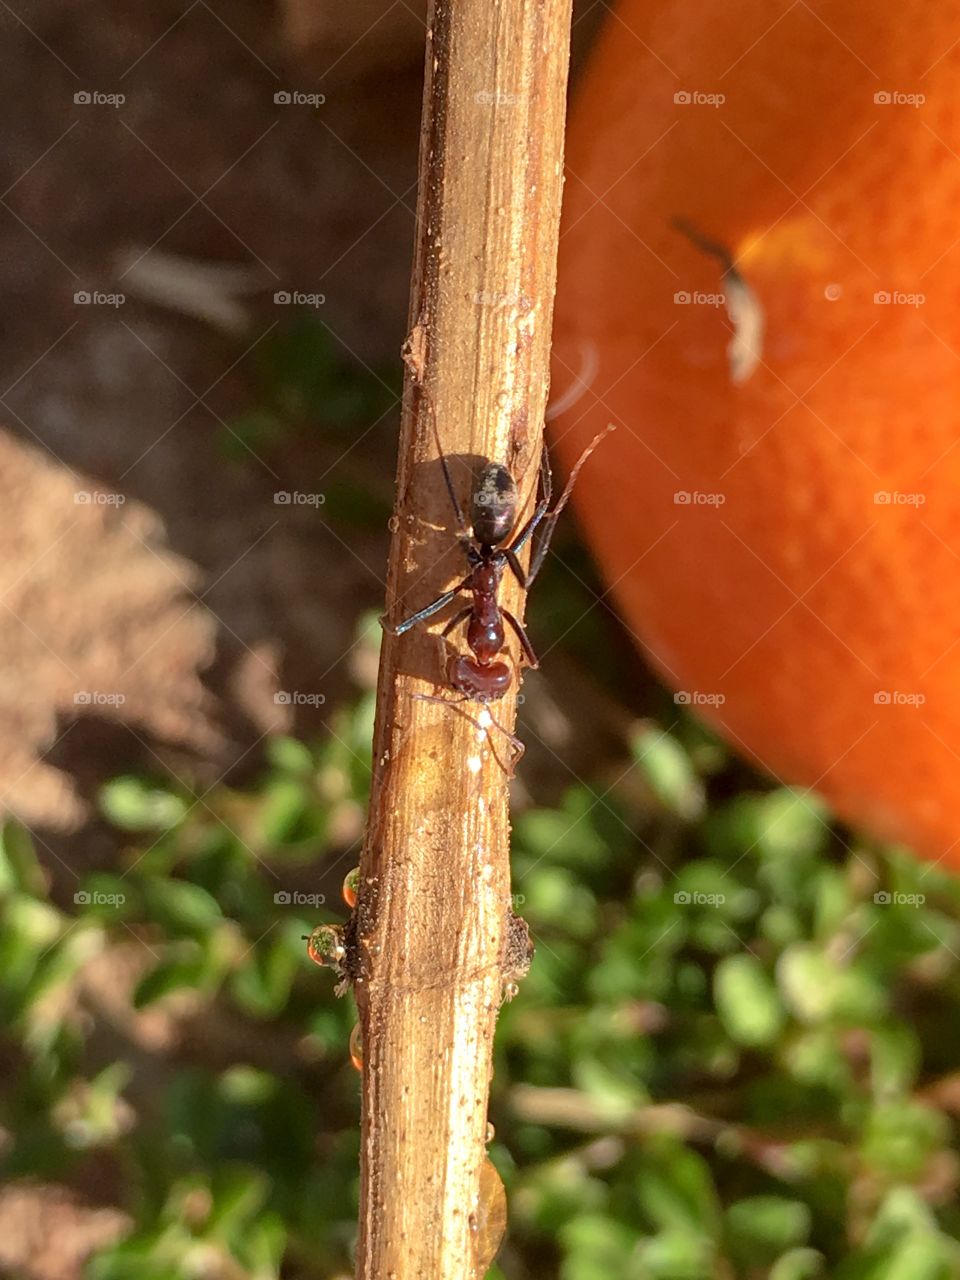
x: 433, y: 940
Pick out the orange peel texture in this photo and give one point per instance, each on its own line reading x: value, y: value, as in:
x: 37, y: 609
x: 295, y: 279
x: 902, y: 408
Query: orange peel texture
x: 785, y: 547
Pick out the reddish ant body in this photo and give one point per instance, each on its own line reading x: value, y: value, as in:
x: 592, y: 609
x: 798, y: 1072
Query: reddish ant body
x: 480, y: 676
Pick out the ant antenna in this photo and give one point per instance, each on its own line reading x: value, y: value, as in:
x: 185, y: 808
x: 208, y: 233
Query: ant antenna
x: 518, y: 747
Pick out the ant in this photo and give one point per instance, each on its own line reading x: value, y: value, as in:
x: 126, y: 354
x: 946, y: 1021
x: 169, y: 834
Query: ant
x: 491, y: 543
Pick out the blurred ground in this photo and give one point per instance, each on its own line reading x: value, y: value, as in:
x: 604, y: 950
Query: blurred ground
x: 735, y: 1055
x: 193, y: 600
x: 156, y: 599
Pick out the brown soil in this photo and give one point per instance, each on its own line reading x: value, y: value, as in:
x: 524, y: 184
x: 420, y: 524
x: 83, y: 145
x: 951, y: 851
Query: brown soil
x: 159, y: 629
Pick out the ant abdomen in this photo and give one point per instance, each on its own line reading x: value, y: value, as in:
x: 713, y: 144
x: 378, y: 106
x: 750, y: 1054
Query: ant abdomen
x: 494, y: 505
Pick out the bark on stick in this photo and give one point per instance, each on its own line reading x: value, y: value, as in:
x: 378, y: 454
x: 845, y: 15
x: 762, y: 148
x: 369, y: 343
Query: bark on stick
x: 431, y: 938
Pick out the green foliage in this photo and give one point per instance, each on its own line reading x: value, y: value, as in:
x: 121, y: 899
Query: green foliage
x: 304, y: 381
x: 732, y: 956
x: 229, y: 1166
x: 722, y: 1065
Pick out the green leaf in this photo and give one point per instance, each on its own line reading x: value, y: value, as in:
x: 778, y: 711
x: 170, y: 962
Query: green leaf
x: 554, y: 897
x: 180, y: 906
x: 747, y: 1001
x: 60, y: 963
x: 239, y: 1193
x: 19, y: 868
x: 291, y: 756
x: 262, y: 1246
x: 900, y: 1135
x: 179, y: 972
x: 777, y: 828
x: 894, y: 1059
x: 561, y: 836
x: 798, y: 1264
x: 615, y: 1097
x: 808, y: 982
x: 816, y: 1059
x: 672, y: 1255
x: 284, y: 809
x: 675, y: 1189
x: 597, y: 1247
x: 136, y: 804
x: 902, y: 1213
x: 262, y: 984
x: 669, y: 772
x: 760, y: 1228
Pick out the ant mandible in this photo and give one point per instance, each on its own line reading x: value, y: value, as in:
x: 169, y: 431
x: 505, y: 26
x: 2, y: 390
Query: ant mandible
x: 480, y: 676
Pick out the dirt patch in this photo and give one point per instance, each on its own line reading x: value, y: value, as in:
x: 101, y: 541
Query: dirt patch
x: 182, y: 609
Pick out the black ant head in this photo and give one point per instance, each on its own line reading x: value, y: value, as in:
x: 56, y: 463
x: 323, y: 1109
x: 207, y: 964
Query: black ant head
x: 494, y: 505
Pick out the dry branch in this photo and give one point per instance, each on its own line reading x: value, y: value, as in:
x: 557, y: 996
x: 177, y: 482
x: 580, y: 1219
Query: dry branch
x: 430, y: 940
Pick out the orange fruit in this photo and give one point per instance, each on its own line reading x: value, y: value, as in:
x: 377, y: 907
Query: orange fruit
x: 786, y: 547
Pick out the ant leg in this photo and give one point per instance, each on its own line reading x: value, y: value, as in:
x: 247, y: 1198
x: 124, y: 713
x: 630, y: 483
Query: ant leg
x: 528, y: 651
x: 398, y: 629
x: 526, y: 533
x: 551, y: 517
x: 510, y: 556
x: 456, y: 620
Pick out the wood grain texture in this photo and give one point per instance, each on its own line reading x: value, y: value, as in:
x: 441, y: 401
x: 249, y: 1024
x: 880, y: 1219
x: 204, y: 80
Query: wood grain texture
x: 430, y: 938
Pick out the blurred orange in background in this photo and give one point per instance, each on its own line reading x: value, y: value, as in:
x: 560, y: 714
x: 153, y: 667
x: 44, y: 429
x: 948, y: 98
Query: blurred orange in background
x: 787, y: 547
